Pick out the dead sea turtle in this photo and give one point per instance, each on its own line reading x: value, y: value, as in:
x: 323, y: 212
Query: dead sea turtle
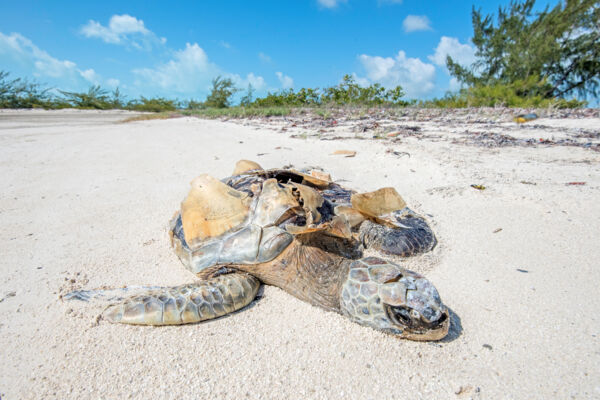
x: 303, y: 233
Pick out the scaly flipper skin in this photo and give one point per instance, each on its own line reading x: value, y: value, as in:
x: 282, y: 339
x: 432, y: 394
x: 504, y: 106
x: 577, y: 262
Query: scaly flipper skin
x: 186, y: 304
x: 414, y: 237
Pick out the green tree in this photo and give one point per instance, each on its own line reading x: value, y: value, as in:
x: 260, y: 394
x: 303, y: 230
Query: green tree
x: 117, y: 99
x: 559, y: 48
x: 395, y: 95
x: 222, y: 91
x: 248, y: 97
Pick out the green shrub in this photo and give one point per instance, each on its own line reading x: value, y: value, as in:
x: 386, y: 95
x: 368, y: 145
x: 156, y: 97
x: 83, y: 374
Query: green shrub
x: 523, y: 93
x: 158, y: 104
x: 95, y: 98
x: 20, y: 93
x: 348, y: 92
x: 239, y: 112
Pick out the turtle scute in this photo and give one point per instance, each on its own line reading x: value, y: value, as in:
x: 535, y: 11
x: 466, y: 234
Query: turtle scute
x: 211, y: 209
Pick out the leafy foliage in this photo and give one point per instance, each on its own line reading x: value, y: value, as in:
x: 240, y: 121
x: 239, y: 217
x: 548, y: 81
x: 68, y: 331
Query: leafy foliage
x: 95, y: 98
x: 158, y: 104
x: 20, y: 93
x: 192, y: 105
x: 515, y: 94
x: 222, y: 91
x: 117, y: 99
x: 559, y: 48
x: 240, y: 112
x: 246, y: 100
x: 302, y: 98
x: 347, y: 92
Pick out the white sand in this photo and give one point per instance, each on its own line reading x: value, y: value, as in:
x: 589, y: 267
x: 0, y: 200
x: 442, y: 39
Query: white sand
x: 88, y: 200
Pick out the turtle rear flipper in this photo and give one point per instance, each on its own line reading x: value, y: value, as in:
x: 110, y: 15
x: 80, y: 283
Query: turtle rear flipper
x: 412, y: 236
x: 178, y: 305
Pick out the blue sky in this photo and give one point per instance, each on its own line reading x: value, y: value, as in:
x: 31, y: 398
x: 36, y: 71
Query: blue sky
x: 174, y: 50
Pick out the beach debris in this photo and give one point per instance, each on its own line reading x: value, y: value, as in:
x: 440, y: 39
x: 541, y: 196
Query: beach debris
x: 478, y: 187
x: 575, y: 183
x: 389, y: 124
x: 528, y: 183
x: 397, y: 153
x: 488, y: 346
x: 8, y: 295
x: 522, y: 118
x: 345, y: 153
x: 463, y: 390
x: 497, y: 230
x: 320, y: 174
x: 522, y: 270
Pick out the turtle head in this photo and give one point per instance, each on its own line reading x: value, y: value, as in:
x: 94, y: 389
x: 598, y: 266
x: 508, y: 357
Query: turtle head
x: 387, y: 297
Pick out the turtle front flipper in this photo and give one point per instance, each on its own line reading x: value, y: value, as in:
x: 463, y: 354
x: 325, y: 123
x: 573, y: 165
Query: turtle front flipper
x: 184, y: 304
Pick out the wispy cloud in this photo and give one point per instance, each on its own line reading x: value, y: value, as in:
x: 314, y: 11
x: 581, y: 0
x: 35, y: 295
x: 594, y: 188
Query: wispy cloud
x: 413, y: 23
x: 264, y: 58
x: 286, y: 81
x: 415, y: 76
x: 18, y: 49
x: 122, y: 30
x: 386, y: 2
x: 330, y: 3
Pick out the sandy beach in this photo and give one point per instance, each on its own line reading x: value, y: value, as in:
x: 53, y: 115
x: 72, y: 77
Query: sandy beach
x: 86, y: 201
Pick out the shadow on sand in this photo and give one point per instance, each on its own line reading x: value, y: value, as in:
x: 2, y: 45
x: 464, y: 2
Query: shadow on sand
x: 455, y: 330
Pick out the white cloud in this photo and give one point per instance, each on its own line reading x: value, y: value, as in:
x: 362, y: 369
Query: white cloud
x: 264, y: 58
x: 31, y: 60
x: 454, y: 84
x: 464, y: 54
x: 415, y: 76
x: 286, y: 81
x: 225, y: 44
x: 91, y: 76
x: 113, y: 82
x: 257, y: 82
x: 188, y: 73
x: 413, y: 23
x: 330, y: 3
x: 122, y: 29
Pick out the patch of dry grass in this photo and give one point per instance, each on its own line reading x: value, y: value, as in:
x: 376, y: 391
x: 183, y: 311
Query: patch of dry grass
x: 151, y: 116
